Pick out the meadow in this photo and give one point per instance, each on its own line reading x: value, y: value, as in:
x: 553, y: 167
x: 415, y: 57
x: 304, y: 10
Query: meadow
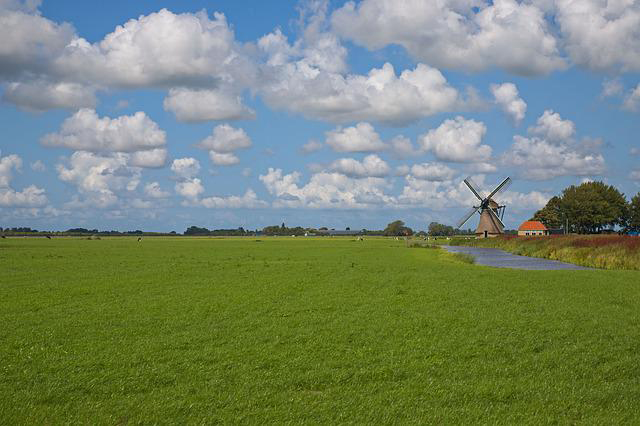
x: 307, y: 330
x: 595, y: 251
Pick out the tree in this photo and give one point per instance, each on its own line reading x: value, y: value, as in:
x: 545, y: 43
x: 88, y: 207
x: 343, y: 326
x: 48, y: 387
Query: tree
x: 594, y: 206
x: 439, y: 230
x: 552, y: 214
x: 634, y: 214
x: 589, y: 208
x: 397, y: 228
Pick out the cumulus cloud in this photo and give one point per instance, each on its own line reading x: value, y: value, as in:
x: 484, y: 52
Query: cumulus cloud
x: 311, y: 146
x: 247, y: 201
x: 226, y: 139
x: 186, y: 168
x: 198, y: 105
x: 30, y: 196
x: 506, y: 96
x: 370, y: 166
x: 222, y: 144
x: 154, y: 190
x: 402, y: 147
x: 552, y: 151
x: 223, y: 158
x: 553, y: 128
x: 432, y: 172
x: 41, y: 95
x: 325, y: 190
x: 458, y: 140
x: 85, y: 131
x: 99, y: 178
x: 380, y: 95
x: 360, y: 138
x: 611, y: 87
x: 190, y: 188
x: 601, y: 35
x: 466, y: 35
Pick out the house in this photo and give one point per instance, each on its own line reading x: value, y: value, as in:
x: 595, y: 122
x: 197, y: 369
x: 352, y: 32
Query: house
x: 532, y: 228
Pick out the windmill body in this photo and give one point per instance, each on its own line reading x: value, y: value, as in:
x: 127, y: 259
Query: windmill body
x: 491, y: 213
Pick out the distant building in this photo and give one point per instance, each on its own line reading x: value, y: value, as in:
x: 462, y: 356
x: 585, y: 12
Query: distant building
x: 532, y: 228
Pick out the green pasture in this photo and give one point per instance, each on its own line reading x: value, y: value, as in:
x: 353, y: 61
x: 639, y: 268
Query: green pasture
x: 297, y: 330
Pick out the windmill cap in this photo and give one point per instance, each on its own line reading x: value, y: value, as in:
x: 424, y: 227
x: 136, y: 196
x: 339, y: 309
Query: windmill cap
x: 532, y: 225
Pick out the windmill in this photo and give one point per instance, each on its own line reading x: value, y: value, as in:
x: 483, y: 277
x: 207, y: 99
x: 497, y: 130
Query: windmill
x: 491, y: 213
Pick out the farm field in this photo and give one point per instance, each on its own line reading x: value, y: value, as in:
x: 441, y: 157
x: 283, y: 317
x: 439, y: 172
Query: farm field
x: 326, y: 330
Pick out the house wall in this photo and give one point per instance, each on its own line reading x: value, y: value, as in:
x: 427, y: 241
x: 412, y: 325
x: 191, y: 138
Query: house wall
x: 532, y: 233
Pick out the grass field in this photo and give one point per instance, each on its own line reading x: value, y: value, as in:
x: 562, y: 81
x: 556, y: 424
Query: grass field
x: 186, y: 330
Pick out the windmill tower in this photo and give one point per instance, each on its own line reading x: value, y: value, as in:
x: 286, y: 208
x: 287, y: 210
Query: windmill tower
x: 491, y: 213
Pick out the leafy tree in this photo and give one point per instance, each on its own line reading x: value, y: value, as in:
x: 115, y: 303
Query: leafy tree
x: 552, y: 215
x: 397, y: 228
x: 594, y: 206
x: 634, y: 214
x: 439, y: 230
x: 194, y: 230
x: 589, y: 208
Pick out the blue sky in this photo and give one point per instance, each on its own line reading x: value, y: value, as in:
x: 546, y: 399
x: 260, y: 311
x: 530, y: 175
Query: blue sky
x: 160, y: 115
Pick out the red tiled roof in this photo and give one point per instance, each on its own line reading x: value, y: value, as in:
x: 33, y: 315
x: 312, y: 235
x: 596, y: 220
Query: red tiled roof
x: 532, y: 225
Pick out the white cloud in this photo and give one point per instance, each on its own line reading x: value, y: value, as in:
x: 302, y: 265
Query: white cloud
x: 311, y: 146
x: 634, y: 175
x: 553, y: 128
x: 226, y: 138
x: 632, y: 100
x: 602, y: 35
x: 151, y: 158
x: 154, y: 190
x: 223, y: 158
x: 85, y: 131
x: 29, y: 41
x: 162, y: 49
x: 99, y: 178
x: 7, y: 165
x: 38, y: 166
x: 432, y: 171
x: 611, y: 87
x: 190, y: 188
x: 30, y: 196
x: 457, y: 140
x: 326, y: 190
x: 467, y: 35
x: 506, y: 95
x: 378, y: 96
x: 402, y: 147
x: 222, y: 144
x: 247, y: 201
x: 195, y: 105
x: 186, y: 168
x: 370, y: 166
x: 540, y: 159
x: 360, y: 138
x: 40, y: 95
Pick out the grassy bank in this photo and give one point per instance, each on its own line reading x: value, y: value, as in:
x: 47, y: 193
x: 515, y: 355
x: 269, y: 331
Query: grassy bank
x: 295, y: 330
x: 596, y: 251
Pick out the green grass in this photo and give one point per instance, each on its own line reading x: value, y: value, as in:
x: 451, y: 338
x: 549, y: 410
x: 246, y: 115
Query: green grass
x: 595, y: 251
x: 330, y: 330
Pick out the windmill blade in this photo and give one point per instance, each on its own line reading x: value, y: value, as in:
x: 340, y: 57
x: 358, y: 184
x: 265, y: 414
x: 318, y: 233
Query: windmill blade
x: 496, y: 216
x: 472, y: 186
x: 467, y: 216
x: 503, y: 185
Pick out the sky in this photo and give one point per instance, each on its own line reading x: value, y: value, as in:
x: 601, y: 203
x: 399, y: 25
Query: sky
x: 159, y: 115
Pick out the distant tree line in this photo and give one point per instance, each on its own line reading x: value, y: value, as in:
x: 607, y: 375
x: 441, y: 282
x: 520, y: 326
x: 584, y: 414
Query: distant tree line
x: 591, y: 208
